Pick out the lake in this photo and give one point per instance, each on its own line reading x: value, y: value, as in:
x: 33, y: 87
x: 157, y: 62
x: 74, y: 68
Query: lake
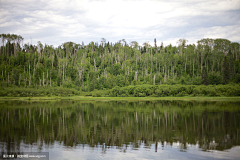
x: 67, y: 129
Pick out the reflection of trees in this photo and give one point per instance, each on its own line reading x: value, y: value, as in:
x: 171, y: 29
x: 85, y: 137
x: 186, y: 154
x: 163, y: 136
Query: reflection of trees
x: 212, y: 125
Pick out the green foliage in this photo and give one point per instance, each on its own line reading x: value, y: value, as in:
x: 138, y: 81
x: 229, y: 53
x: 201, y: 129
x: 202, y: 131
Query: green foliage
x: 55, y: 62
x: 32, y: 92
x: 214, y: 78
x: 129, y: 91
x: 95, y: 67
x: 181, y: 94
x: 97, y: 93
x: 237, y: 78
x: 226, y: 70
x: 205, y: 76
x: 197, y: 80
x: 174, y: 90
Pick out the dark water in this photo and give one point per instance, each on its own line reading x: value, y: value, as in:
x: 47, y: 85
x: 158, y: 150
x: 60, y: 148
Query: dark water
x: 122, y: 130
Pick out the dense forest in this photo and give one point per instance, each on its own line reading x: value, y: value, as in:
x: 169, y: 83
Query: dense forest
x: 108, y: 65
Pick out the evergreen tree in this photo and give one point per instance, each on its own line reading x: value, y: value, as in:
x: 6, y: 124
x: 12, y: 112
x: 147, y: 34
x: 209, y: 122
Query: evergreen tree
x: 55, y: 62
x: 230, y: 64
x: 225, y: 70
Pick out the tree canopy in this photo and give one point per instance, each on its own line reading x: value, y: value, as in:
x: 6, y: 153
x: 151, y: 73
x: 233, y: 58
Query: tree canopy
x: 105, y: 66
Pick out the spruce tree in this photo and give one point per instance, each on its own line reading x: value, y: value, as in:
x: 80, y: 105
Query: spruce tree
x: 225, y: 70
x: 230, y: 64
x: 55, y: 62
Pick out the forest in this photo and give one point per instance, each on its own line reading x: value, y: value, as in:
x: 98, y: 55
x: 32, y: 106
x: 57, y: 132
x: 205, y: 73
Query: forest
x: 209, y: 67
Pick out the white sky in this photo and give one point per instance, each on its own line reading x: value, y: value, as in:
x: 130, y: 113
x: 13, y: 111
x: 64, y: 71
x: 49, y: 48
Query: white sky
x: 57, y: 21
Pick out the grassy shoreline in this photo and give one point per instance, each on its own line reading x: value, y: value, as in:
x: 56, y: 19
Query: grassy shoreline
x: 90, y: 98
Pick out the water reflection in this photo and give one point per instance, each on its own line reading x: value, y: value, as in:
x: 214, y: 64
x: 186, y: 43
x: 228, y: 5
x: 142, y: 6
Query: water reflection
x: 158, y: 124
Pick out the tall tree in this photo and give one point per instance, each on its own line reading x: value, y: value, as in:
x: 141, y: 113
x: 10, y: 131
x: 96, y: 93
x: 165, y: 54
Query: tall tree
x: 55, y: 62
x: 225, y: 70
x: 205, y: 76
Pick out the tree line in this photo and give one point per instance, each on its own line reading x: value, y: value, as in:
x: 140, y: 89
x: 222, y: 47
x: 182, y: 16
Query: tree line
x: 107, y: 65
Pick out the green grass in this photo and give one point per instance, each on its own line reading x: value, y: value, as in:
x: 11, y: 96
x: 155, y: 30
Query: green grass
x: 90, y: 98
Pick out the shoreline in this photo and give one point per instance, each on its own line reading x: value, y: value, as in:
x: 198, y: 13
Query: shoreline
x: 90, y: 98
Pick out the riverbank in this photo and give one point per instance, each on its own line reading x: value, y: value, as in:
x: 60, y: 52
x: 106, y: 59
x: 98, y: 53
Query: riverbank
x: 90, y: 98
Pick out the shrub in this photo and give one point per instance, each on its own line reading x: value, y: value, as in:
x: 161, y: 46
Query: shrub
x: 197, y: 81
x: 189, y: 89
x: 214, y: 78
x: 137, y: 91
x: 158, y: 92
x: 181, y: 94
x: 212, y: 91
x: 173, y: 90
x: 166, y: 91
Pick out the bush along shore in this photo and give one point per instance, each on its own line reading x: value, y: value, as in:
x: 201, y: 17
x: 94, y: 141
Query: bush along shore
x: 169, y: 90
x: 40, y: 92
x: 128, y: 91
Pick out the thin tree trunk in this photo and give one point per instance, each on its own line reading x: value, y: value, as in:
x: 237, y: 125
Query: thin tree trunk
x: 190, y: 67
x: 165, y: 76
x: 213, y: 65
x: 25, y: 80
x: 151, y: 62
x: 197, y: 67
x: 47, y: 77
x: 63, y: 73
x: 173, y: 74
x: 193, y: 67
x: 87, y: 78
x: 156, y: 65
x: 43, y: 79
x: 29, y: 76
x: 154, y: 80
x: 82, y: 78
x: 19, y: 79
x: 168, y: 73
x: 136, y: 61
x: 52, y: 61
x: 159, y: 68
x: 201, y: 61
x: 207, y: 65
x: 33, y: 72
x: 30, y: 80
x: 186, y: 64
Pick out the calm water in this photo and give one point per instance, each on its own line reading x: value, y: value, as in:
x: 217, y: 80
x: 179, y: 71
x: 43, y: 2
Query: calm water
x: 122, y: 130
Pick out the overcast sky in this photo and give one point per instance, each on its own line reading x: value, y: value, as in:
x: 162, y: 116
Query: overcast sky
x: 57, y: 21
